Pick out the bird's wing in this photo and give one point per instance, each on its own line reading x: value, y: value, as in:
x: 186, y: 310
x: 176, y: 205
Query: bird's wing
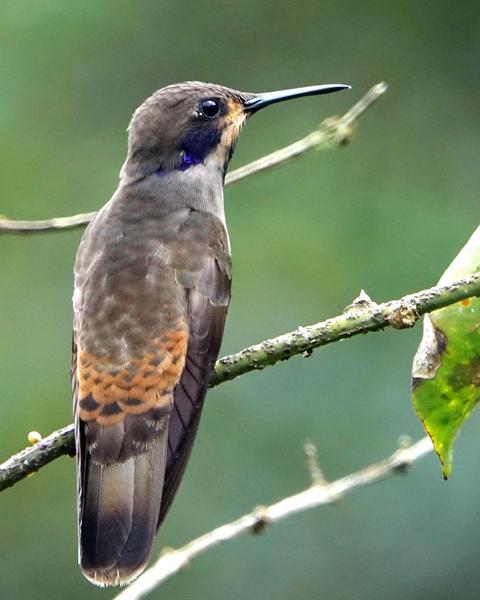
x: 208, y: 294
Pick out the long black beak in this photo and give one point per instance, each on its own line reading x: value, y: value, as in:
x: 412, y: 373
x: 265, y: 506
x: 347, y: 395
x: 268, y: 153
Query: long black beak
x: 261, y: 100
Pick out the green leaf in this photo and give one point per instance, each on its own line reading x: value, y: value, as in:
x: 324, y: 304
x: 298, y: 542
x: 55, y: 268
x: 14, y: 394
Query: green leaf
x: 446, y: 367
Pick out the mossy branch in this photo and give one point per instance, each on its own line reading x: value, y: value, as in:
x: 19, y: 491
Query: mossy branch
x: 362, y: 316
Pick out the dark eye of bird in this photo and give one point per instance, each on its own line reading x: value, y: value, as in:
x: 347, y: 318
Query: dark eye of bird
x: 209, y: 108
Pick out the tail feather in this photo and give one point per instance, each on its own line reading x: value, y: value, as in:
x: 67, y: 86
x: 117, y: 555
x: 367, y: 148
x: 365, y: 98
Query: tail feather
x: 118, y: 516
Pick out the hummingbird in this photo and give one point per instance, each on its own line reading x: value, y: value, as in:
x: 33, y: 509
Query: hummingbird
x: 152, y: 283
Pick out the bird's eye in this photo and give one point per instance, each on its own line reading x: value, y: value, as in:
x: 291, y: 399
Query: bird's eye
x: 209, y: 108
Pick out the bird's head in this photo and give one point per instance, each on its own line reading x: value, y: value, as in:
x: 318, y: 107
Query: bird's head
x: 188, y: 124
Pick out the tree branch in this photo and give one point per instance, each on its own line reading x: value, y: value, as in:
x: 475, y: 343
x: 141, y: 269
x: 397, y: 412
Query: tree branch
x: 333, y: 132
x: 361, y: 316
x: 319, y: 493
x: 29, y: 460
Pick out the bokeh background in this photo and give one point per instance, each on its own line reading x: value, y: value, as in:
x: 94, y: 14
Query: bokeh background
x: 386, y: 214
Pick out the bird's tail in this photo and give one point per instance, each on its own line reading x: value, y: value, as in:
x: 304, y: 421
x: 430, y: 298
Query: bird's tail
x: 119, y: 507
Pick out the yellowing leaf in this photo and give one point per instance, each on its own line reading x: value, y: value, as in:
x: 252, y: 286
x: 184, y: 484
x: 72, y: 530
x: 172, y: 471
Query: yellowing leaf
x: 446, y: 367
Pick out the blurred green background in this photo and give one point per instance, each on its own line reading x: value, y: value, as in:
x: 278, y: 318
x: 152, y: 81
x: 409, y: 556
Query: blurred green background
x: 386, y: 214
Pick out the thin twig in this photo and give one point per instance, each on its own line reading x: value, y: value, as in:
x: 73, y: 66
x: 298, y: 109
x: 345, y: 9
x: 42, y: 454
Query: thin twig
x: 318, y: 494
x: 13, y: 226
x: 334, y: 131
x: 314, y: 468
x: 360, y: 317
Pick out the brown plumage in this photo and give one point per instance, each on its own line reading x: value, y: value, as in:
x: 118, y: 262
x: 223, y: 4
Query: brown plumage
x: 152, y: 287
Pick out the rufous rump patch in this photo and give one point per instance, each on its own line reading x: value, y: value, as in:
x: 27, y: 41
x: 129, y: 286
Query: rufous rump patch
x: 107, y: 393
